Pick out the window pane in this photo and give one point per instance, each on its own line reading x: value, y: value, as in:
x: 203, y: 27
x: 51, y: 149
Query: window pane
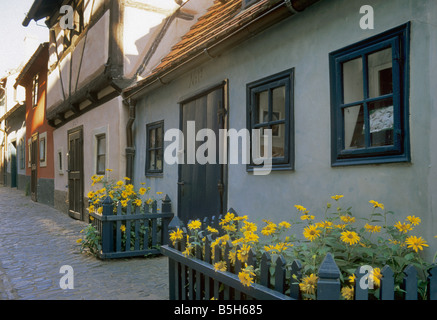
x: 353, y: 80
x: 159, y: 159
x: 263, y: 107
x: 381, y: 122
x: 380, y: 73
x: 159, y: 137
x: 152, y: 138
x: 42, y: 146
x: 278, y: 140
x: 152, y: 160
x: 354, y: 127
x: 101, y: 164
x: 101, y: 145
x: 278, y: 104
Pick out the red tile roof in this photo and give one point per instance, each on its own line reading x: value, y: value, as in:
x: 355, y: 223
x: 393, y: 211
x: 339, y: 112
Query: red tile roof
x: 221, y: 19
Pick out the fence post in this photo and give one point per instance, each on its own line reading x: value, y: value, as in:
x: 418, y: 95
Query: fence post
x: 328, y: 285
x: 165, y: 208
x: 173, y: 289
x: 432, y: 283
x: 107, y: 229
x: 410, y: 283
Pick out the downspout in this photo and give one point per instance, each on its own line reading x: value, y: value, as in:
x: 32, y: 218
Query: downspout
x: 130, y: 147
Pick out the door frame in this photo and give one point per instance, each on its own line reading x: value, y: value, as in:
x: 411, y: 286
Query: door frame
x: 81, y: 211
x: 224, y: 167
x: 34, y: 156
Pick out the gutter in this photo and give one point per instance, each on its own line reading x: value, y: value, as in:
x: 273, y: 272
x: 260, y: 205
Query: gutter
x: 130, y: 147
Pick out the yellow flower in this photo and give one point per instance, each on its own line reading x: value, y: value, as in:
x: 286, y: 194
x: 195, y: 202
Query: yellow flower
x: 138, y: 202
x: 413, y: 220
x: 285, y: 224
x: 372, y: 229
x: 415, y: 243
x: 350, y: 237
x: 100, y: 210
x: 91, y: 208
x: 90, y: 194
x: 307, y: 217
x: 142, y: 191
x: 348, y: 293
x: 403, y: 227
x: 120, y: 183
x: 347, y: 219
x: 308, y: 284
x: 324, y: 224
x: 311, y: 232
x: 124, y: 203
x: 246, y: 276
x: 220, y: 266
x: 269, y: 229
x: 249, y: 226
x: 336, y: 197
x: 376, y: 276
x: 230, y: 228
x: 300, y: 208
x: 212, y: 230
x: 352, y: 278
x: 229, y: 217
x: 123, y: 228
x: 187, y: 251
x: 377, y: 204
x: 194, y: 225
x: 79, y: 240
x: 232, y: 256
x: 243, y: 253
x: 176, y: 235
x: 159, y: 192
x: 126, y: 178
x: 91, y: 218
x: 249, y: 236
x: 110, y: 170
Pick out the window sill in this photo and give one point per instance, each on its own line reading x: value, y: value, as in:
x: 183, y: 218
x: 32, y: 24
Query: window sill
x: 370, y: 160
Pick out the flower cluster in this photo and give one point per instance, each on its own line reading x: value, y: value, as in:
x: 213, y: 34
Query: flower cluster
x: 352, y: 243
x: 120, y: 191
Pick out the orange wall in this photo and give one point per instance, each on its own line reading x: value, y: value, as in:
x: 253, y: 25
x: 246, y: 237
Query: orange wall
x: 36, y: 122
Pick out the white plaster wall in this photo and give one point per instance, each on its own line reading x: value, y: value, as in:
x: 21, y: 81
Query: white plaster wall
x: 111, y: 118
x: 142, y: 26
x: 304, y: 42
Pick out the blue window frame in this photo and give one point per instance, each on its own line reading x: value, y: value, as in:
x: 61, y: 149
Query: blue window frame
x: 270, y: 106
x: 369, y: 100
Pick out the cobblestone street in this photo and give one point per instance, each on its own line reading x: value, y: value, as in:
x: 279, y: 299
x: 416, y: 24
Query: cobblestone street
x: 36, y: 240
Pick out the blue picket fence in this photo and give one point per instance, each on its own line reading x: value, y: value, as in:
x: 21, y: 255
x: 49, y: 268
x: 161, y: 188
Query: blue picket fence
x: 194, y: 278
x: 130, y: 232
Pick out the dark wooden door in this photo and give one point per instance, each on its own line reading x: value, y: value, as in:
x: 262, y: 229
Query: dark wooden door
x: 202, y: 187
x: 13, y: 150
x: 33, y: 166
x: 75, y: 174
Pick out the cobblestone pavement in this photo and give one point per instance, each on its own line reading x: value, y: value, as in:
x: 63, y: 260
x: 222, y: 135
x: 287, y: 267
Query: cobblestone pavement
x: 36, y: 240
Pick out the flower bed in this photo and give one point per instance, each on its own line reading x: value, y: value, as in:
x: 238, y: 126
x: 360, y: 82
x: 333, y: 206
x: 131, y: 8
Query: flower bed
x: 124, y: 221
x: 372, y: 243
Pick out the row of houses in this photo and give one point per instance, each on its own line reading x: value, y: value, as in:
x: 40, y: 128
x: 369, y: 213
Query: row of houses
x: 348, y: 93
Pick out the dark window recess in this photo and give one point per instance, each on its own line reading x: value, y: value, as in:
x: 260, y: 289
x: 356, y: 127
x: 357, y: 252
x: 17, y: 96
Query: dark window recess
x: 155, y: 148
x: 101, y: 154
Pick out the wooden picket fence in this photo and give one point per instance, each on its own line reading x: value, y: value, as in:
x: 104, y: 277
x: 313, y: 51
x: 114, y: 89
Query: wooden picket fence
x: 144, y: 233
x: 194, y: 278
